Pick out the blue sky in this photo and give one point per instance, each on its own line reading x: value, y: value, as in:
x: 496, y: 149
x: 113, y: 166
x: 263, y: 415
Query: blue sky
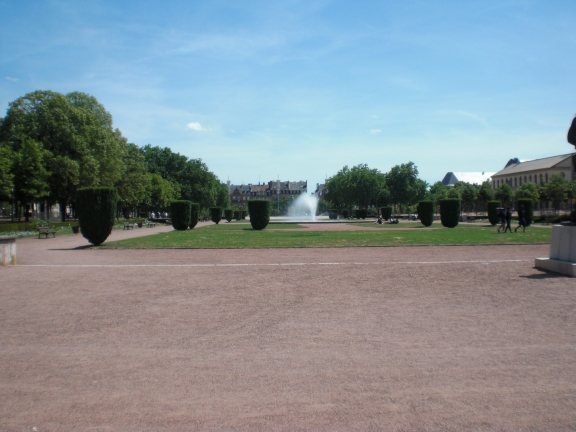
x: 298, y: 89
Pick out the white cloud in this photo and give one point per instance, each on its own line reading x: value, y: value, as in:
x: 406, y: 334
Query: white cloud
x: 375, y: 131
x: 374, y: 116
x: 12, y: 79
x: 195, y: 126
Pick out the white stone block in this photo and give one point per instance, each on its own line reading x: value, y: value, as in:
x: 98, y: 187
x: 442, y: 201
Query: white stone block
x: 556, y: 266
x: 7, y: 251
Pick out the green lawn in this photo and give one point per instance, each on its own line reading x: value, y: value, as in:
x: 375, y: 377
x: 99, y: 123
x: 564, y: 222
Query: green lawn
x: 240, y: 235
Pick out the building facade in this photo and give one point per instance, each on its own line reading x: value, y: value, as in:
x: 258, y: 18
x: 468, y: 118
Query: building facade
x: 241, y: 194
x: 537, y: 171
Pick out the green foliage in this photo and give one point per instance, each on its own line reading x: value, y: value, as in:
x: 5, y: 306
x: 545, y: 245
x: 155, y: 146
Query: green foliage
x: 485, y: 192
x: 216, y: 214
x: 528, y: 210
x: 96, y: 207
x: 134, y: 187
x: 450, y: 212
x: 493, y: 212
x: 557, y: 188
x: 259, y: 213
x: 358, y: 186
x: 426, y: 212
x: 228, y: 213
x: 237, y: 214
x: 345, y: 213
x: 30, y: 176
x: 404, y: 185
x: 6, y: 174
x: 504, y: 194
x: 333, y: 214
x: 527, y: 190
x: 243, y: 214
x: 386, y: 212
x: 453, y: 193
x: 361, y: 213
x: 162, y: 192
x: 194, y: 214
x: 181, y: 214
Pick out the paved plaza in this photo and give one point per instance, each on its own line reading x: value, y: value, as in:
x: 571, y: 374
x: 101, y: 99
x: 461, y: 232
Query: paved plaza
x: 398, y: 338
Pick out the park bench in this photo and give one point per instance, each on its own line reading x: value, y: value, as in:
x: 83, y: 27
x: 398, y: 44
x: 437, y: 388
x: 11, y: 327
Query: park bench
x: 45, y: 230
x: 150, y: 224
x: 128, y: 226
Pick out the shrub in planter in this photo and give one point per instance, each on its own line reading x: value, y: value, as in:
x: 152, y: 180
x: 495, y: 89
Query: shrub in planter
x: 194, y: 214
x: 426, y: 212
x: 228, y: 214
x: 259, y: 213
x: 96, y: 208
x: 180, y: 214
x: 361, y: 213
x: 493, y: 212
x: 333, y: 214
x: 528, y: 209
x: 216, y: 214
x: 450, y: 212
x: 386, y: 212
x: 345, y: 214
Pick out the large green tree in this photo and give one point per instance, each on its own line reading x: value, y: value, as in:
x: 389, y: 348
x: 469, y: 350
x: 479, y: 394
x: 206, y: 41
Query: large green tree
x: 557, y: 188
x: 358, y: 186
x: 527, y: 190
x: 6, y: 174
x: 30, y: 176
x: 134, y: 186
x: 404, y: 186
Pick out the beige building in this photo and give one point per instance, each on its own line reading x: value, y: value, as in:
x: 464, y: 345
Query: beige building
x: 537, y: 171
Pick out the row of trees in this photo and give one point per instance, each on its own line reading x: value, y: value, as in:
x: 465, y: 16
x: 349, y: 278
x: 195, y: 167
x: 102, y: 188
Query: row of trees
x: 53, y: 144
x: 363, y: 187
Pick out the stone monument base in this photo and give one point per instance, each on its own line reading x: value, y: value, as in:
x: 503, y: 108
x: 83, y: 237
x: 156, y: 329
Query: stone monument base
x: 562, y: 251
x: 7, y: 251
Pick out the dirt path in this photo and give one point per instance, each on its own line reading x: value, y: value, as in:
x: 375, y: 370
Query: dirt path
x: 418, y: 338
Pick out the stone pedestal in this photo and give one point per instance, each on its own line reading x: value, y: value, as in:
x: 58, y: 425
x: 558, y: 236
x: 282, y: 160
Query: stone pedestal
x: 7, y: 251
x: 562, y: 251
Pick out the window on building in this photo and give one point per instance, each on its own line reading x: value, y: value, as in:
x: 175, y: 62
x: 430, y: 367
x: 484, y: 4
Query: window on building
x: 546, y: 177
x: 515, y: 181
x: 530, y: 177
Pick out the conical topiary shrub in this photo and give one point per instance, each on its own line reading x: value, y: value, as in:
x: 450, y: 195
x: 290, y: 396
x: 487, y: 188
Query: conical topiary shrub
x: 528, y: 209
x: 181, y: 214
x: 194, y: 214
x: 386, y: 212
x: 333, y: 214
x: 450, y: 212
x: 216, y: 214
x: 493, y: 217
x: 96, y: 209
x: 426, y: 212
x: 228, y: 213
x: 259, y: 213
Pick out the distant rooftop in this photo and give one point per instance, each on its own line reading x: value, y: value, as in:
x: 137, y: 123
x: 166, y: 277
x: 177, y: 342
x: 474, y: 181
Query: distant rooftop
x: 468, y: 177
x: 514, y: 166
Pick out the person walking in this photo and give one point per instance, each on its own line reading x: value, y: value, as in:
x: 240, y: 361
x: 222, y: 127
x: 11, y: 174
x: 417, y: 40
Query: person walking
x: 521, y: 219
x: 502, y: 217
x: 508, y: 217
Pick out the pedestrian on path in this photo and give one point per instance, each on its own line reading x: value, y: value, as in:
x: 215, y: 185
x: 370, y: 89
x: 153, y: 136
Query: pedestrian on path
x: 502, y: 217
x: 508, y: 217
x: 521, y: 219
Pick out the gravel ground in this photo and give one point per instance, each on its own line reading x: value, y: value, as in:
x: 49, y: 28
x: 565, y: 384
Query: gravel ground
x: 407, y: 338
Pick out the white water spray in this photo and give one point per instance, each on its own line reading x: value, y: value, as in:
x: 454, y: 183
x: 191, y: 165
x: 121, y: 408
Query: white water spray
x: 303, y: 208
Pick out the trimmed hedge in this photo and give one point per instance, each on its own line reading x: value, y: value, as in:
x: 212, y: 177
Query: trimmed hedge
x: 96, y: 208
x: 243, y: 214
x: 450, y: 212
x: 361, y: 213
x: 228, y: 213
x: 194, y: 214
x: 493, y: 217
x: 181, y: 214
x: 216, y: 214
x: 345, y: 214
x: 237, y: 214
x: 333, y: 214
x: 426, y: 212
x: 386, y: 212
x: 528, y: 210
x: 259, y: 213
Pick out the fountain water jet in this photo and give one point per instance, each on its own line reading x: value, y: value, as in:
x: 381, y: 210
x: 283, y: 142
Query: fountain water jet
x: 303, y: 208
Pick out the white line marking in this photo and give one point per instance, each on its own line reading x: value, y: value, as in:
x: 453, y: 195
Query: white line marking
x: 279, y: 264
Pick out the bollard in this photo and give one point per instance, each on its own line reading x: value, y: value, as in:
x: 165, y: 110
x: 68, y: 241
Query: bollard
x: 7, y: 251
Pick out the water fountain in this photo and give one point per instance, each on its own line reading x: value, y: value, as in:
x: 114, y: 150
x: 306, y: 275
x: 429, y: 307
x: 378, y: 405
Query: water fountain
x: 303, y: 209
